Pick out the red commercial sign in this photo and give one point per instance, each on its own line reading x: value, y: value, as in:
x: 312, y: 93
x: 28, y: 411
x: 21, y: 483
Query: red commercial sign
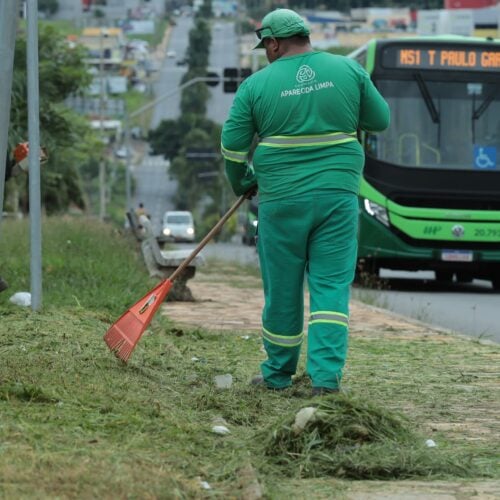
x: 468, y: 4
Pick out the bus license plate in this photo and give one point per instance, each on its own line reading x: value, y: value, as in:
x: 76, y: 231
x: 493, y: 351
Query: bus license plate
x: 457, y: 256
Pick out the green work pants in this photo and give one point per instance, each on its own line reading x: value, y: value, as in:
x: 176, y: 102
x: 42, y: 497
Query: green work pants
x: 313, y: 234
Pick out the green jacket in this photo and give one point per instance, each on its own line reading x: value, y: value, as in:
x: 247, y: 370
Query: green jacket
x: 306, y: 110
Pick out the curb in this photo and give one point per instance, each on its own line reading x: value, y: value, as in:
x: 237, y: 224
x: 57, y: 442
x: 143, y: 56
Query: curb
x: 417, y: 322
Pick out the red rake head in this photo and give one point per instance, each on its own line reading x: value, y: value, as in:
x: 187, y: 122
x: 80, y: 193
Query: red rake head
x: 126, y: 332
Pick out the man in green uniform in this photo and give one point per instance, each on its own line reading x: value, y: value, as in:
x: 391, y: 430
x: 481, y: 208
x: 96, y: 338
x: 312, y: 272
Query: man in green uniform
x: 306, y: 108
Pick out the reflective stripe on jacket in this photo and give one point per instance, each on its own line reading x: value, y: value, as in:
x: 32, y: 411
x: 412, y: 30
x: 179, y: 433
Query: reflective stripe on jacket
x: 288, y: 141
x: 236, y: 156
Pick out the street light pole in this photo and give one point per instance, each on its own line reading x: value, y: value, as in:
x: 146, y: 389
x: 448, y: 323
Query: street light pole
x: 128, y: 166
x: 34, y: 155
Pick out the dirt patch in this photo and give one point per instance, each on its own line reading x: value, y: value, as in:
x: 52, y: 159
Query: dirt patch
x: 420, y: 490
x: 221, y: 306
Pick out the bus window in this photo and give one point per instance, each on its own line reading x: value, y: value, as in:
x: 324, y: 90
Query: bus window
x: 445, y: 132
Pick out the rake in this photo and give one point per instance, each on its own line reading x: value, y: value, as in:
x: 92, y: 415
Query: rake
x: 127, y: 330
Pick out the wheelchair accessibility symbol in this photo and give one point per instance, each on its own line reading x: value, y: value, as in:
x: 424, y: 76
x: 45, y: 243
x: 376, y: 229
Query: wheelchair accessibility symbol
x: 485, y: 158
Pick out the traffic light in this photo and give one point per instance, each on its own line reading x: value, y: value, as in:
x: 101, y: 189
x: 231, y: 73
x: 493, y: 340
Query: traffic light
x: 233, y: 78
x: 230, y: 86
x: 214, y: 79
x: 245, y: 73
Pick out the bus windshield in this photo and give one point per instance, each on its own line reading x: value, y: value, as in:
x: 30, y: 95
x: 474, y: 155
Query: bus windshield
x: 440, y: 124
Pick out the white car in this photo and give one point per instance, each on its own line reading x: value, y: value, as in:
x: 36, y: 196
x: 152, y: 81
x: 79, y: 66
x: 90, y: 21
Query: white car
x: 122, y: 152
x: 178, y: 226
x: 171, y: 54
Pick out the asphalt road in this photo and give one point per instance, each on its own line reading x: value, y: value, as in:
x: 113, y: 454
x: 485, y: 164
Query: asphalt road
x: 154, y: 188
x: 224, y: 53
x: 153, y: 185
x: 170, y: 73
x: 470, y: 309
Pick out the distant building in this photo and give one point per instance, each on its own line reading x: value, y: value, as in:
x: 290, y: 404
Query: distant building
x: 326, y: 17
x: 468, y: 4
x: 110, y: 40
x: 224, y: 8
x: 113, y: 10
x: 445, y: 22
x: 483, y: 21
x: 486, y: 15
x: 487, y: 21
x: 383, y: 18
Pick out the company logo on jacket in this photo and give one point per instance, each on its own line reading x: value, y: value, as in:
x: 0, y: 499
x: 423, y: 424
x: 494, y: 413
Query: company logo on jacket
x: 306, y: 75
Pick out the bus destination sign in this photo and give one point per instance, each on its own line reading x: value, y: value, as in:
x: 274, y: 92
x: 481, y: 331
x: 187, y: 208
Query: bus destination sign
x: 442, y: 58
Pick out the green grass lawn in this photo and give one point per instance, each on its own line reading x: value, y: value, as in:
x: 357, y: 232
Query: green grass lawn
x: 78, y: 423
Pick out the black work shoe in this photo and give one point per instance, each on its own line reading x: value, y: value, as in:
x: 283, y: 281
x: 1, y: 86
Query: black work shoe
x: 258, y: 380
x: 3, y: 284
x: 321, y: 391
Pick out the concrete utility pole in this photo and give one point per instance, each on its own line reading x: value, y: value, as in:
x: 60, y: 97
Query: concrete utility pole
x: 34, y: 156
x: 128, y: 166
x: 8, y: 25
x: 102, y: 161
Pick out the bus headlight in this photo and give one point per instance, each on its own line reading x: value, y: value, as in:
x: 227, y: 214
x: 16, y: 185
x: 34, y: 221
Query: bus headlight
x: 377, y: 211
x: 190, y: 230
x: 166, y: 231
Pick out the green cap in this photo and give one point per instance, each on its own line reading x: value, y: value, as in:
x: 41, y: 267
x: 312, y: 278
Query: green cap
x: 281, y: 23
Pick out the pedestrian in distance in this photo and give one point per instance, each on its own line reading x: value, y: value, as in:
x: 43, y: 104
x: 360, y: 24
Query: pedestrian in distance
x: 306, y: 108
x: 141, y: 210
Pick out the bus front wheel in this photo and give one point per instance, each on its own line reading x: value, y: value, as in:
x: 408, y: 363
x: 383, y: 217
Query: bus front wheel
x: 496, y: 283
x: 464, y: 277
x: 444, y: 276
x: 367, y: 273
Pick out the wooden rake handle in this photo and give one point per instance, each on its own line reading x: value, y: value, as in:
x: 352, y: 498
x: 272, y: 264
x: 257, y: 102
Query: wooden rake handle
x: 210, y: 235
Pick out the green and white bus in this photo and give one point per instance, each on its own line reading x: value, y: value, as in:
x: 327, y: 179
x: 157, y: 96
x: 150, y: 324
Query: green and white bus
x: 430, y: 193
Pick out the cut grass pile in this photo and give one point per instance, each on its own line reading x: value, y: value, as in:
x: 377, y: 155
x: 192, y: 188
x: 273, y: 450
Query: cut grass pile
x: 78, y: 423
x: 346, y: 437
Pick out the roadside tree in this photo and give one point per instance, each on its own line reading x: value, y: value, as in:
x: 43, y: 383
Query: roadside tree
x: 64, y: 133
